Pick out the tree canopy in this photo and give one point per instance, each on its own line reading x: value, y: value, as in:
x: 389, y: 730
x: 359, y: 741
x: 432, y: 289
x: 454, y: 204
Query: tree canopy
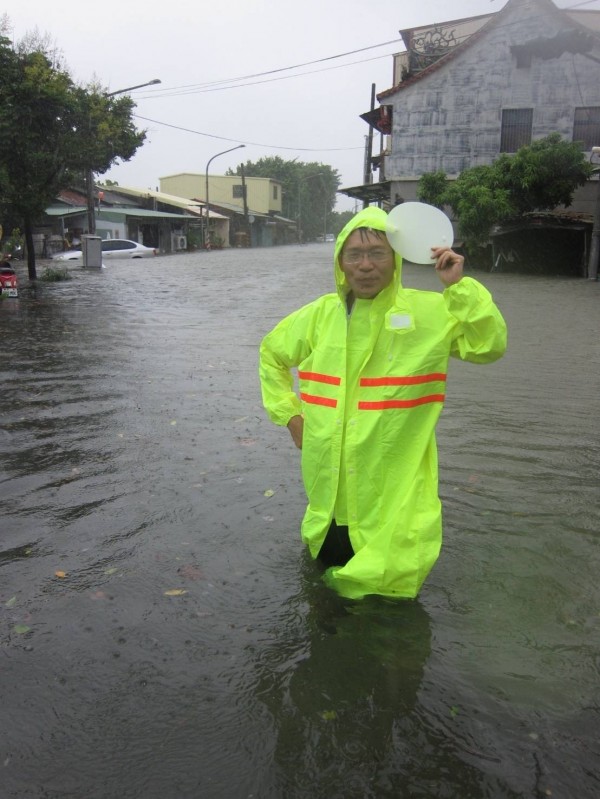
x: 538, y: 177
x: 51, y: 132
x: 308, y: 191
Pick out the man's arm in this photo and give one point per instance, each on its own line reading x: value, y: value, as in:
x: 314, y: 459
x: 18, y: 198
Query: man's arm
x: 481, y: 335
x: 285, y: 347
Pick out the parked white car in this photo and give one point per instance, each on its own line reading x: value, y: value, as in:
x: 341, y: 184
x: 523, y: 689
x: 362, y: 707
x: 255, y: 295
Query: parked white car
x: 111, y: 248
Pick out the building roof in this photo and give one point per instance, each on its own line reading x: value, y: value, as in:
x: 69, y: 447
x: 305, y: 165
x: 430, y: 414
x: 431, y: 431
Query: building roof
x: 72, y: 197
x: 192, y: 206
x: 62, y: 210
x: 142, y: 212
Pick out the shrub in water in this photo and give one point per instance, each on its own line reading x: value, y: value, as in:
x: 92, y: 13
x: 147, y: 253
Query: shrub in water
x: 52, y: 274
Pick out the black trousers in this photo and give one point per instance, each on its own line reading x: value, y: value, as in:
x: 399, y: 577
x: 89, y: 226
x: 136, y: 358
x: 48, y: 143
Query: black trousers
x: 337, y: 549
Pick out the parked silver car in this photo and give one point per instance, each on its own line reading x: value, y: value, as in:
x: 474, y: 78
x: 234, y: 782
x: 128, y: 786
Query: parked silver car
x: 111, y: 248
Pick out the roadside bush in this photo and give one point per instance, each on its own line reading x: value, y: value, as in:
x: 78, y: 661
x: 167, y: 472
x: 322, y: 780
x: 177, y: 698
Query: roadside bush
x: 54, y: 274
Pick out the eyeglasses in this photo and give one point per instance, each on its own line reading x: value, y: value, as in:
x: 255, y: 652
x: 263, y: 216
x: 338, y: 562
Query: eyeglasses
x: 377, y: 256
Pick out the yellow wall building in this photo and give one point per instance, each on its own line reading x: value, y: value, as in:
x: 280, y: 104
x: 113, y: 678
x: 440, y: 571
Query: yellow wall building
x: 263, y: 194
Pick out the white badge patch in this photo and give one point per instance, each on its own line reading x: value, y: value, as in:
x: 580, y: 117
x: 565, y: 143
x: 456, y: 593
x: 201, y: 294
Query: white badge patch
x: 399, y: 321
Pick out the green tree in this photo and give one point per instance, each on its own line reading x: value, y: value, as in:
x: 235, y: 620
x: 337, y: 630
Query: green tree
x: 539, y: 176
x: 544, y: 174
x: 432, y: 188
x: 479, y: 201
x: 308, y: 190
x: 50, y: 131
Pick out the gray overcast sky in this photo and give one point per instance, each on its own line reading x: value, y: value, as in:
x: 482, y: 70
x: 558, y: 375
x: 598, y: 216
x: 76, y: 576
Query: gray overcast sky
x: 311, y: 117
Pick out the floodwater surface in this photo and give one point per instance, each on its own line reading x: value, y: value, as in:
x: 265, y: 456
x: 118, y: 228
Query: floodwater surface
x: 165, y: 636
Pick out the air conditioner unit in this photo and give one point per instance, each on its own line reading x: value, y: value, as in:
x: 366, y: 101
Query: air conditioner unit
x: 178, y: 242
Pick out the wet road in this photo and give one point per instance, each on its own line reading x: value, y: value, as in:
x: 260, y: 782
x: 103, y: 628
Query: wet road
x: 163, y: 634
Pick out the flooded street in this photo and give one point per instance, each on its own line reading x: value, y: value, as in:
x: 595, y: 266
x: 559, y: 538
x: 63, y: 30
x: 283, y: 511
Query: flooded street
x: 163, y: 633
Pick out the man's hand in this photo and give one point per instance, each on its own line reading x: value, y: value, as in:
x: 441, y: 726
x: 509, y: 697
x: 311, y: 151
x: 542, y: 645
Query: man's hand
x: 448, y: 265
x: 296, y: 428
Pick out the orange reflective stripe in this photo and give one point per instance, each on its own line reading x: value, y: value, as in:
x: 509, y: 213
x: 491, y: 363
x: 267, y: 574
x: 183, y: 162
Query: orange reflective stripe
x: 386, y: 404
x: 314, y: 400
x: 402, y: 381
x: 319, y: 378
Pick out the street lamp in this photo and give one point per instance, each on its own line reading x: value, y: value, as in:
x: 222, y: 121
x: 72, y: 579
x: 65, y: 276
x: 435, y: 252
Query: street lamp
x: 206, y: 230
x: 89, y: 175
x: 152, y: 82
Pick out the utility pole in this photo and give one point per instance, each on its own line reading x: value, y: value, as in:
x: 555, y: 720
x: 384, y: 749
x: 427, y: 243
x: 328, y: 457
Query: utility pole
x: 245, y: 199
x: 369, y: 149
x: 595, y: 246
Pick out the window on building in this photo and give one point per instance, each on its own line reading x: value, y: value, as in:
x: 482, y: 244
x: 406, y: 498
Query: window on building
x: 275, y: 191
x: 238, y: 191
x: 586, y: 127
x: 516, y: 129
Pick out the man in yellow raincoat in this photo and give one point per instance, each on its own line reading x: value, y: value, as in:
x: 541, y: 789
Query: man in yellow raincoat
x: 372, y: 361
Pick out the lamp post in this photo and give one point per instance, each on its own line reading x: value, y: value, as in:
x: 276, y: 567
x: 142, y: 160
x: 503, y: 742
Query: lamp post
x: 89, y: 175
x: 299, y: 215
x: 206, y: 220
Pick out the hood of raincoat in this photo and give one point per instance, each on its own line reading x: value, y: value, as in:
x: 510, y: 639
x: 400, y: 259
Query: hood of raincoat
x: 375, y: 219
x: 394, y: 299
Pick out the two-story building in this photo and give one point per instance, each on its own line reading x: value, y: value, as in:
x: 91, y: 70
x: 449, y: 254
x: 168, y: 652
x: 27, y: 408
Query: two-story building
x: 467, y: 90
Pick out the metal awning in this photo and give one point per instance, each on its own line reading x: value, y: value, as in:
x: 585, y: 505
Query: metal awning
x: 142, y: 212
x: 121, y: 211
x: 369, y: 192
x: 65, y: 211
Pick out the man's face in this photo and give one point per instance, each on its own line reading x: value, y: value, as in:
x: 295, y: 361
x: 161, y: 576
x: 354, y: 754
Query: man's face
x: 367, y: 260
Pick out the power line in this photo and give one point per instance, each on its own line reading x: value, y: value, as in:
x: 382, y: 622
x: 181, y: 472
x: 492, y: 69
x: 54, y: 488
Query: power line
x: 175, y: 93
x: 252, y: 143
x: 194, y: 86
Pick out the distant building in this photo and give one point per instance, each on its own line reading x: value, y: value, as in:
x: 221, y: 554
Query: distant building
x: 263, y: 195
x: 253, y: 205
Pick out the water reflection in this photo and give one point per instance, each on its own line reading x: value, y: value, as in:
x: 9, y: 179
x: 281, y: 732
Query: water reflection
x: 342, y: 682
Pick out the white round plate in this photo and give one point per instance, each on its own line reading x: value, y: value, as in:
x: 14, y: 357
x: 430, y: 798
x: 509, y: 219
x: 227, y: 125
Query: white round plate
x: 414, y: 228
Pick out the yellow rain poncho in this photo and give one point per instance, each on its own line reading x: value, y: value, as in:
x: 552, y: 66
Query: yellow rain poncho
x: 371, y: 389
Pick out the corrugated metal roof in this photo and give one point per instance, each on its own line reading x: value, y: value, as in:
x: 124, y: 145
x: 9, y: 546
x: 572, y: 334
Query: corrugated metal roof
x: 145, y: 212
x: 131, y: 212
x: 72, y: 196
x: 159, y: 196
x: 63, y: 210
